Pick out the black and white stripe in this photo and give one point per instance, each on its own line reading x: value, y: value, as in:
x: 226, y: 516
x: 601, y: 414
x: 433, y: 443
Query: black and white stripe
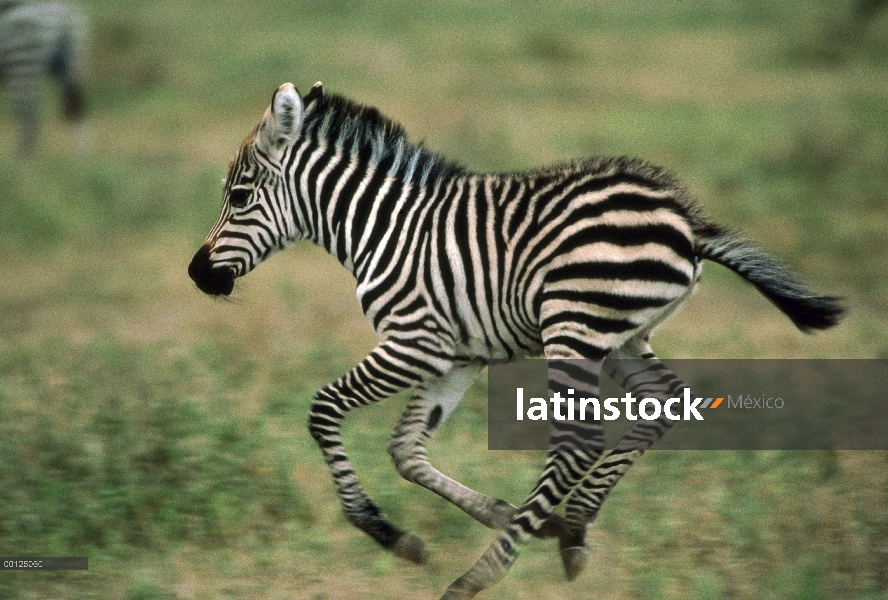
x: 36, y: 40
x: 455, y: 269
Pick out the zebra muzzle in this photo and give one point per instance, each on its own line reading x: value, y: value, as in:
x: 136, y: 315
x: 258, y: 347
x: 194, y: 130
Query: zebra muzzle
x: 210, y: 280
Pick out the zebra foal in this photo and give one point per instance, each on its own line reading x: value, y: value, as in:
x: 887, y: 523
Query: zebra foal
x: 36, y: 40
x: 455, y: 269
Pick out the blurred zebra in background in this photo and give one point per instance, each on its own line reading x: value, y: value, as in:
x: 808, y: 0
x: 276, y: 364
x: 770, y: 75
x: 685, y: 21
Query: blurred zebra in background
x: 36, y: 40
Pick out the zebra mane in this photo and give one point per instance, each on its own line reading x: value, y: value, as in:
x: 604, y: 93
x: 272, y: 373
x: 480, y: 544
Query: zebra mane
x: 362, y: 129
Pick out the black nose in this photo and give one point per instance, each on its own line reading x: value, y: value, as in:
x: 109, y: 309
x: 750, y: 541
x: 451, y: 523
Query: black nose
x: 209, y: 280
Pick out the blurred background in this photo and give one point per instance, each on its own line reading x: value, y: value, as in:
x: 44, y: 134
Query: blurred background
x: 162, y: 433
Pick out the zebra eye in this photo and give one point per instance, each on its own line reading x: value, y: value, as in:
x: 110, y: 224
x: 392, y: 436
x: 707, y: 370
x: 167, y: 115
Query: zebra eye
x: 238, y: 197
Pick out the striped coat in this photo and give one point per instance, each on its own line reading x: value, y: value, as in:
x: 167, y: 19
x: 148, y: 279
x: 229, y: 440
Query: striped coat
x: 577, y: 263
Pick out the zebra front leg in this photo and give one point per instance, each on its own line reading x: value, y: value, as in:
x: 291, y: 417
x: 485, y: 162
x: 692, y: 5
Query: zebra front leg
x: 430, y: 407
x: 383, y: 373
x: 635, y: 368
x: 574, y: 448
x: 427, y: 411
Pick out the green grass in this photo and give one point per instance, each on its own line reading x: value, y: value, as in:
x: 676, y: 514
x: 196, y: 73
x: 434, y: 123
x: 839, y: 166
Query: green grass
x: 163, y: 434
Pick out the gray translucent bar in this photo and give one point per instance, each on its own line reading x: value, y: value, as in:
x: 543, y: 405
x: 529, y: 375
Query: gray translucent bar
x: 823, y: 404
x: 44, y: 563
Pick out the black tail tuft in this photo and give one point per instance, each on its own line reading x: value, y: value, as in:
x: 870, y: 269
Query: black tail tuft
x: 810, y: 313
x: 808, y: 310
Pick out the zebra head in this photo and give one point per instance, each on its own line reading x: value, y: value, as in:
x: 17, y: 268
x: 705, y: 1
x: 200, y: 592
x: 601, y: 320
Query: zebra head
x: 254, y: 221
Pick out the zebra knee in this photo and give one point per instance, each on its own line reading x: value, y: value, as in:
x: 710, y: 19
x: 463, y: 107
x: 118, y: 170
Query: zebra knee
x: 406, y: 445
x: 324, y: 416
x: 408, y: 457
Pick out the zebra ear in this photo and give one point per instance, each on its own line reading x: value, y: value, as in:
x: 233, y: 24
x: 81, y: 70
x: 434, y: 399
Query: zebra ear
x: 316, y: 91
x: 281, y: 122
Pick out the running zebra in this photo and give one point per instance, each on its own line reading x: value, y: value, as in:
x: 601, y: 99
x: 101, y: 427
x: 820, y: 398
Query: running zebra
x: 36, y: 40
x: 455, y: 269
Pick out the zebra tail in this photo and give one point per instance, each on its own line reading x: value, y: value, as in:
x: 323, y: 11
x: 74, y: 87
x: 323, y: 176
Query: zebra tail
x: 807, y: 309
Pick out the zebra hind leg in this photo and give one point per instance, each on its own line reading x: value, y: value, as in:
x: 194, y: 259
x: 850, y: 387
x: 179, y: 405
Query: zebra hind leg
x: 425, y: 413
x: 62, y: 67
x: 574, y: 448
x: 635, y: 368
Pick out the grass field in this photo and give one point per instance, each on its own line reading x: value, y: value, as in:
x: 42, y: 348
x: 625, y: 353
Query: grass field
x: 162, y: 434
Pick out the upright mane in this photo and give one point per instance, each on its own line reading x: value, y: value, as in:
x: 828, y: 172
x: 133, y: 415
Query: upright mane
x: 366, y: 131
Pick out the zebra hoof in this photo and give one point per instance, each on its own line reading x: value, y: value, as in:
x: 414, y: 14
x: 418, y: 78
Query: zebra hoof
x: 574, y: 560
x: 410, y: 547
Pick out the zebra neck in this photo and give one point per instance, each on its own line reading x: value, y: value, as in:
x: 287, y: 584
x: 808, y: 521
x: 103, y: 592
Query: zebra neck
x: 361, y: 212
